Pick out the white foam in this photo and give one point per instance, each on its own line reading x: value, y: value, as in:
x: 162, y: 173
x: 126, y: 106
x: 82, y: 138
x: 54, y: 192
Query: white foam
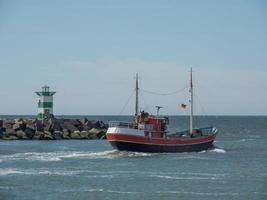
x: 100, y: 176
x: 202, y: 193
x: 95, y: 190
x: 55, y: 156
x: 121, y: 192
x: 196, y: 156
x: 217, y: 150
x: 11, y: 171
x: 185, y: 177
x: 100, y: 190
x: 8, y: 171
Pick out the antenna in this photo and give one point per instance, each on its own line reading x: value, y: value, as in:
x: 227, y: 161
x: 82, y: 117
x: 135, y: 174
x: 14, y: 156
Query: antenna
x: 158, y: 108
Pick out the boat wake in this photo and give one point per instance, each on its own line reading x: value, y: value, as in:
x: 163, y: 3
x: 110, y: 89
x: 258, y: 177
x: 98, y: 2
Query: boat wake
x: 186, y: 177
x: 15, y: 171
x: 60, y: 155
x: 214, y: 149
x: 218, y: 150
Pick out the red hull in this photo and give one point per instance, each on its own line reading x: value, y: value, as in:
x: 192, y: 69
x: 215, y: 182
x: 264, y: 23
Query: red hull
x: 148, y: 144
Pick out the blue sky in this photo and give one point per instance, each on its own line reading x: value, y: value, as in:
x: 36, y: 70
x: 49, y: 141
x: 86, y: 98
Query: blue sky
x: 89, y: 52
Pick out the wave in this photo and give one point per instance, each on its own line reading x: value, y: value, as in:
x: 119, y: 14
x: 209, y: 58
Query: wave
x: 121, y: 192
x: 58, y: 156
x: 218, y: 150
x: 101, y: 190
x: 11, y: 171
x: 194, y: 157
x: 203, y: 193
x: 34, y: 172
x: 246, y: 139
x: 185, y: 177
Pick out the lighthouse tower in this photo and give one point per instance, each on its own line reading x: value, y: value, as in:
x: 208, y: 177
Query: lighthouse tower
x: 45, y: 103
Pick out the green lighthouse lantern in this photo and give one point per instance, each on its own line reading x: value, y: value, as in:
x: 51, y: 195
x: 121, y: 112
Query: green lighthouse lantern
x: 45, y: 103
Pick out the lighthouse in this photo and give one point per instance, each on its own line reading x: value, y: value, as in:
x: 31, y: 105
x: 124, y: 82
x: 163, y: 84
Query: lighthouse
x: 45, y: 103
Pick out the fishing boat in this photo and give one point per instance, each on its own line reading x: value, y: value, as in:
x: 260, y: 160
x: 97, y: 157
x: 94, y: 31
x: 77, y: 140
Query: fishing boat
x: 148, y: 133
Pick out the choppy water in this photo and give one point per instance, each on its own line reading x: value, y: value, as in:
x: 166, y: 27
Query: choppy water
x: 235, y: 169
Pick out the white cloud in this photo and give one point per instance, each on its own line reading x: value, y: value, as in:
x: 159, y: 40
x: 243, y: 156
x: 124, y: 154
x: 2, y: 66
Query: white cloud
x: 103, y: 86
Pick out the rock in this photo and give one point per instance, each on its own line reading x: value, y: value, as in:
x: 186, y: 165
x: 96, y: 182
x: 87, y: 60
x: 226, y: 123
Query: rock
x: 34, y: 121
x: 9, y: 131
x: 56, y: 127
x: 57, y: 135
x: 92, y: 134
x: 39, y: 126
x: 86, y: 127
x: 16, y: 127
x: 30, y: 130
x: 10, y: 137
x: 75, y: 135
x: 74, y: 122
x: 98, y: 132
x: 95, y: 131
x: 80, y: 127
x: 100, y: 124
x: 66, y: 131
x: 56, y: 124
x: 84, y: 135
x: 66, y: 134
x: 47, y: 136
x: 89, y: 125
x: 83, y: 121
x: 19, y: 120
x: 7, y: 125
x: 48, y: 127
x: 51, y: 129
x: 3, y: 129
x: 21, y: 135
x: 38, y: 135
x: 70, y: 127
x: 92, y: 137
x: 9, y: 134
x: 101, y: 135
x: 31, y: 126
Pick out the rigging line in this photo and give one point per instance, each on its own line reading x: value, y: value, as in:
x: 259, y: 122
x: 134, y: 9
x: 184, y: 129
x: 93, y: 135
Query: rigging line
x: 127, y: 102
x: 146, y: 105
x: 202, y: 107
x: 165, y: 94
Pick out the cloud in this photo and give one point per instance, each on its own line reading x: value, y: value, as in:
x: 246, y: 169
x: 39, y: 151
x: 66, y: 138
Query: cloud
x: 103, y: 86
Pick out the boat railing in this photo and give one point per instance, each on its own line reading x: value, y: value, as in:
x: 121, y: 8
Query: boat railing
x: 121, y: 124
x: 208, y: 130
x: 204, y: 131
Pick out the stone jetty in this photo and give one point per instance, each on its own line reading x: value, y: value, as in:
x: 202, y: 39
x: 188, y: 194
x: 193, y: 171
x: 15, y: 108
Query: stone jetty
x: 52, y: 129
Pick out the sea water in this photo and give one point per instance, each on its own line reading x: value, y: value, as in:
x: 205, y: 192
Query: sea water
x: 236, y: 168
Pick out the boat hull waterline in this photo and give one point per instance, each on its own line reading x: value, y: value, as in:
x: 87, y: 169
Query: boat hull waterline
x: 125, y: 142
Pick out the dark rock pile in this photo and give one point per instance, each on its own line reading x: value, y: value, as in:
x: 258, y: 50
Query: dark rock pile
x: 52, y: 129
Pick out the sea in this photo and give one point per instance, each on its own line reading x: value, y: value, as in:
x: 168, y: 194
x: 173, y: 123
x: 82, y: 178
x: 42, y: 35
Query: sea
x: 236, y: 168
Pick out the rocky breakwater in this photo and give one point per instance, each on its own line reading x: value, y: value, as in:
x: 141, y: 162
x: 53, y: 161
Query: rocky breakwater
x: 52, y: 129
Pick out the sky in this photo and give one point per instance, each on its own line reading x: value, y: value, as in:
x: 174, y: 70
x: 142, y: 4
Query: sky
x: 89, y: 51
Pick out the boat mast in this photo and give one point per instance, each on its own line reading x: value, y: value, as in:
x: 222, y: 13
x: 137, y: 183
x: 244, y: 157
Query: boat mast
x: 191, y: 102
x: 136, y: 96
